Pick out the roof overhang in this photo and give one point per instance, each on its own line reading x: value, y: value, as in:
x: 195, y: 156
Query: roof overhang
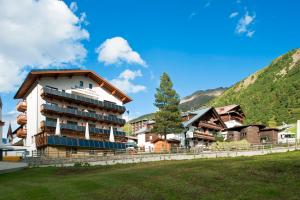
x: 36, y: 74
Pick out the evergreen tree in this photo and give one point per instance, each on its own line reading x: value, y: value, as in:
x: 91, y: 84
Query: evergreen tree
x: 167, y: 118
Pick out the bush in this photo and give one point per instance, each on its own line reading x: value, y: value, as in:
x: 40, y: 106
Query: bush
x: 242, y: 144
x: 82, y: 164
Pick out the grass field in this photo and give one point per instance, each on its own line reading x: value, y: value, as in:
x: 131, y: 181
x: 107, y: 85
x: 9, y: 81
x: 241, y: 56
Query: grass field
x: 269, y: 177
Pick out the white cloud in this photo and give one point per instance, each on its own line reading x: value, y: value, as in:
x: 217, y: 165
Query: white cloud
x: 207, y: 4
x: 124, y: 81
x: 73, y: 6
x: 37, y: 34
x: 234, y: 14
x: 192, y: 15
x: 116, y: 51
x: 244, y: 23
x: 250, y: 33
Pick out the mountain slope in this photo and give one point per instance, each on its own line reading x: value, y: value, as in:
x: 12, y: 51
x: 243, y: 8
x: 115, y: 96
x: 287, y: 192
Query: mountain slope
x: 199, y: 98
x: 271, y: 95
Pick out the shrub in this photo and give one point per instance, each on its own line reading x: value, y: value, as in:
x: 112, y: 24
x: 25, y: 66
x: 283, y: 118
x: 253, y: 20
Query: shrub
x: 242, y: 144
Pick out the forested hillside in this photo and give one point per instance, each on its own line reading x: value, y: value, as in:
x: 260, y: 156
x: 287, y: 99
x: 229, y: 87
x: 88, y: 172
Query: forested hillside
x: 271, y: 95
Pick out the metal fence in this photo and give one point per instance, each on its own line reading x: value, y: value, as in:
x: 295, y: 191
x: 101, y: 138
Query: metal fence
x: 101, y: 157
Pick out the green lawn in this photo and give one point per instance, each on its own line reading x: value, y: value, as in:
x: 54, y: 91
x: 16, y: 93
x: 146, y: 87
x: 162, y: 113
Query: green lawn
x: 268, y: 177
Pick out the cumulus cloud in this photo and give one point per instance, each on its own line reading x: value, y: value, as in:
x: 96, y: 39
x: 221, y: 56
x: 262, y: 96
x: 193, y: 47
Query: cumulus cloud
x: 124, y: 81
x: 243, y: 26
x: 117, y: 50
x: 37, y: 34
x: 73, y: 6
x: 234, y: 14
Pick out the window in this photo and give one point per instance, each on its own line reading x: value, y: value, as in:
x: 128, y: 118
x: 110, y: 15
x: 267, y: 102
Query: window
x: 51, y: 119
x: 63, y: 91
x: 51, y: 104
x: 80, y: 83
x: 91, y: 86
x: 92, y: 111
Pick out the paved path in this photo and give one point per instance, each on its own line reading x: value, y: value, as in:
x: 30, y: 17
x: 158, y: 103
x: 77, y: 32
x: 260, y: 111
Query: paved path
x: 6, y: 167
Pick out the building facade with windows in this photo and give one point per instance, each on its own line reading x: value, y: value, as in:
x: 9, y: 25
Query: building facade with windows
x: 69, y: 111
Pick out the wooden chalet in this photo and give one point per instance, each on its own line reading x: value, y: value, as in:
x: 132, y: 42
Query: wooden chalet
x: 202, y: 126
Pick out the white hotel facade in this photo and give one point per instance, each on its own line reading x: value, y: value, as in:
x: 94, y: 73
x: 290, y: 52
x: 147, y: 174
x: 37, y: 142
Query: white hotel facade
x: 69, y: 111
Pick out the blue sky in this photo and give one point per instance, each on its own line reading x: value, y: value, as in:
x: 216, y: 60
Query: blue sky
x: 201, y: 44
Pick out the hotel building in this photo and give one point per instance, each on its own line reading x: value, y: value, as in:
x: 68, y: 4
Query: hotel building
x: 70, y: 111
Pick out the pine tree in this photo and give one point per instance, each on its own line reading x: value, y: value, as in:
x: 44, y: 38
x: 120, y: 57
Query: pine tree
x: 167, y: 118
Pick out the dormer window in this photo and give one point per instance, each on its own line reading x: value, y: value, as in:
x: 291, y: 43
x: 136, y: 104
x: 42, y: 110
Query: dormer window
x: 91, y: 86
x: 81, y: 84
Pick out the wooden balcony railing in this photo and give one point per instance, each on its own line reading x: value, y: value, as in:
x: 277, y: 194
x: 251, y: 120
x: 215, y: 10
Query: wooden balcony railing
x: 210, y: 126
x: 22, y: 119
x: 22, y: 133
x: 22, y: 106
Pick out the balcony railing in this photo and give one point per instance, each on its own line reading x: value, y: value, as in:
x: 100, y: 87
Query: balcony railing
x: 22, y: 119
x: 80, y: 114
x: 54, y: 140
x: 83, y: 100
x: 203, y: 135
x: 71, y: 127
x: 210, y: 126
x: 22, y: 106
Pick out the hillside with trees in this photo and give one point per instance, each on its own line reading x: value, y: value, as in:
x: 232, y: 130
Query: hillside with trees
x: 271, y: 95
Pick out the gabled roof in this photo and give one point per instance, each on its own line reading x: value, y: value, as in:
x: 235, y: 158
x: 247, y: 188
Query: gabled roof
x: 226, y: 109
x: 199, y: 113
x: 36, y: 74
x: 239, y: 128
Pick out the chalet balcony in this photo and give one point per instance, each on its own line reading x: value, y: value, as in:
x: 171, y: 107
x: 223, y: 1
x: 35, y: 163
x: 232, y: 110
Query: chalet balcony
x: 22, y: 106
x: 204, y: 136
x: 22, y: 133
x: 210, y: 126
x: 22, y: 119
x: 54, y: 140
x: 110, y: 106
x: 110, y: 119
x: 81, y: 129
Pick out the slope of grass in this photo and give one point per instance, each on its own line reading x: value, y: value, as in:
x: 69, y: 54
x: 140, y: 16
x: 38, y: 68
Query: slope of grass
x: 263, y: 177
x: 270, y: 96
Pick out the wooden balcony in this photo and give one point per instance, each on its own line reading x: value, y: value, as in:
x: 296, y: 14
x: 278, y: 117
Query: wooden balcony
x: 22, y: 106
x: 204, y: 136
x: 22, y: 119
x: 210, y: 126
x: 22, y: 133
